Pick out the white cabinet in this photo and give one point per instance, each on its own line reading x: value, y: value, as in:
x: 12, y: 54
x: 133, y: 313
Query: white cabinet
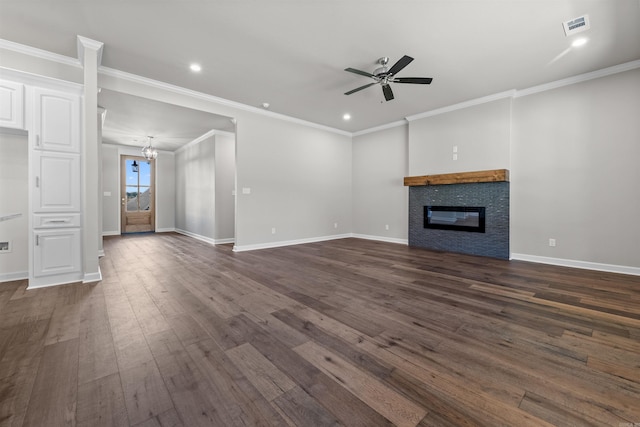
x: 56, y: 121
x: 54, y: 166
x: 56, y: 182
x: 56, y: 252
x: 11, y: 105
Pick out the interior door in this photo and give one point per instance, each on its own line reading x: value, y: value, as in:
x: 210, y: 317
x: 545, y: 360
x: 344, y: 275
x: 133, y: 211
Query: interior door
x: 137, y: 194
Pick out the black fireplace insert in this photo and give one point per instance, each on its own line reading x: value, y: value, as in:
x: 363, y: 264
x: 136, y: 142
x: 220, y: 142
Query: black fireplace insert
x: 461, y: 218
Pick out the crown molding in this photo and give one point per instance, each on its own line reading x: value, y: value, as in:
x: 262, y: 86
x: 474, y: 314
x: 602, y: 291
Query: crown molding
x: 85, y: 43
x: 380, y: 128
x: 39, y: 53
x: 39, y: 80
x: 198, y: 140
x: 203, y: 137
x: 463, y: 105
x: 110, y: 72
x: 579, y: 78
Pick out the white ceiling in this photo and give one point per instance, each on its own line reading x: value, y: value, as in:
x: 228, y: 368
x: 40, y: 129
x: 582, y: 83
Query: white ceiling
x: 292, y: 53
x: 130, y: 119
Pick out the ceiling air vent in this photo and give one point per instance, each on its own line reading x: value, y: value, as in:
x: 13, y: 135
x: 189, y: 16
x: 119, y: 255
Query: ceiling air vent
x: 576, y: 25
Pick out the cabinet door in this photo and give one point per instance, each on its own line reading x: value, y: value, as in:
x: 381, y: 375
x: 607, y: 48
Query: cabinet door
x: 56, y: 182
x: 11, y: 105
x: 56, y: 121
x: 56, y: 252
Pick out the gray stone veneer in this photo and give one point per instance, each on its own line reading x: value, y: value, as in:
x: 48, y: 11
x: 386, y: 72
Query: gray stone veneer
x: 494, y: 196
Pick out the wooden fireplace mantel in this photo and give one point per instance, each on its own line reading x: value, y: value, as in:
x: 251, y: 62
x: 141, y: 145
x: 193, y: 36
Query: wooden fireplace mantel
x: 494, y: 175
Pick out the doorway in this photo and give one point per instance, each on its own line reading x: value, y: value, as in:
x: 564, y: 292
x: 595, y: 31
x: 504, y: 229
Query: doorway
x: 137, y: 194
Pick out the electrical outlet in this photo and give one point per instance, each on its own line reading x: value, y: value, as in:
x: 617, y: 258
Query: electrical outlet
x: 552, y: 243
x: 335, y: 225
x: 386, y: 226
x: 273, y: 230
x: 455, y: 157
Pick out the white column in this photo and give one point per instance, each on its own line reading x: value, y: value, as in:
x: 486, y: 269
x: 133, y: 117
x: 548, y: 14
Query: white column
x: 90, y: 55
x: 101, y: 116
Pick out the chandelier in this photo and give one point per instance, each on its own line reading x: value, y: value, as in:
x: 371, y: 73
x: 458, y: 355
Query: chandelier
x: 148, y: 151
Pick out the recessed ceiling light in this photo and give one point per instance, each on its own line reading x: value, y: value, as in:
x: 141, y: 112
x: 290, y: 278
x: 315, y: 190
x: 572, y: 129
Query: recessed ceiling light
x: 579, y: 42
x: 196, y: 68
x: 347, y: 116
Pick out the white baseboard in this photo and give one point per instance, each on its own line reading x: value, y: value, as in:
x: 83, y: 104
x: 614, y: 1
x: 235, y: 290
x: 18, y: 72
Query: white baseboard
x: 16, y: 275
x: 196, y: 236
x: 92, y: 277
x: 381, y: 239
x: 280, y: 244
x: 157, y: 230
x: 225, y: 241
x: 165, y: 230
x: 611, y: 268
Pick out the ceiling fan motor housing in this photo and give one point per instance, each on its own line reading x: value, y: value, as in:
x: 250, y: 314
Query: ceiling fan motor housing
x: 384, y: 69
x: 380, y: 71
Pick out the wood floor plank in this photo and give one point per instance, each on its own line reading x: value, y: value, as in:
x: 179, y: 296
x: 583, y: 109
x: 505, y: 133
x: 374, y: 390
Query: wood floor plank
x: 54, y: 396
x: 269, y: 381
x: 301, y: 410
x: 168, y: 418
x: 97, y: 355
x: 129, y: 342
x: 101, y: 403
x: 231, y: 389
x: 145, y: 394
x: 384, y: 400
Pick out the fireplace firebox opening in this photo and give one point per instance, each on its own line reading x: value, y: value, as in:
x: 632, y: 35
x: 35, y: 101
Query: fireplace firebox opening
x: 461, y: 218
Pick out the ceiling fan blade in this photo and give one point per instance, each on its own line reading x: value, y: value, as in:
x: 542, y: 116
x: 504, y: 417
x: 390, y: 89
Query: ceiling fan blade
x: 416, y: 80
x: 359, y: 88
x: 402, y: 62
x: 362, y: 73
x: 388, y: 93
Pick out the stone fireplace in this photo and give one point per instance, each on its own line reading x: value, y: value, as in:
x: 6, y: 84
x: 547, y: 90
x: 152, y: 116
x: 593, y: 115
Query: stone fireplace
x: 461, y: 202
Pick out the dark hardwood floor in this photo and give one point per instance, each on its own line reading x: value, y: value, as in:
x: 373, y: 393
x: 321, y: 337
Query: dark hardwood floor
x: 346, y: 332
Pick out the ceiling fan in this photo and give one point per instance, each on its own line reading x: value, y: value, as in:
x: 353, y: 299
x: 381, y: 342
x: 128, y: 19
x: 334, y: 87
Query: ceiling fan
x: 384, y: 76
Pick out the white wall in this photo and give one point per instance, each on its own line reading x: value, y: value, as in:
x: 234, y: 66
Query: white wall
x: 165, y: 192
x: 111, y: 186
x: 380, y: 162
x: 225, y: 161
x: 576, y: 171
x: 195, y: 189
x: 204, y: 182
x: 14, y: 198
x: 299, y: 180
x: 481, y: 133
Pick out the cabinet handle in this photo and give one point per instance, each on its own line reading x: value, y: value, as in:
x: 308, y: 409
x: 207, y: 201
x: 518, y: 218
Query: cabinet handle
x: 37, y: 240
x: 37, y: 140
x: 57, y: 221
x: 37, y: 182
